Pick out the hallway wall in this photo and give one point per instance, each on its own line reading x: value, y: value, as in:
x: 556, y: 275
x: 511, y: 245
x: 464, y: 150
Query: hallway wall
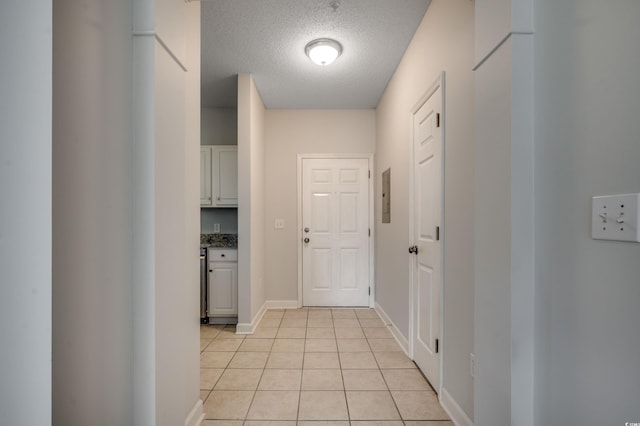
x: 443, y: 42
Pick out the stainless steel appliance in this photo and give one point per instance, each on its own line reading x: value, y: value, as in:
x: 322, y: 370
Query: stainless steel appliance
x: 204, y: 318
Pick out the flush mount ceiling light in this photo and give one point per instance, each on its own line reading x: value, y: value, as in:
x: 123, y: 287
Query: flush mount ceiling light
x: 323, y: 51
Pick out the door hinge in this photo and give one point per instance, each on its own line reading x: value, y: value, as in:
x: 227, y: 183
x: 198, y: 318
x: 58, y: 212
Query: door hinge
x: 369, y: 231
x: 369, y: 174
x: 369, y: 291
x: 437, y: 345
x: 437, y: 233
x: 437, y: 119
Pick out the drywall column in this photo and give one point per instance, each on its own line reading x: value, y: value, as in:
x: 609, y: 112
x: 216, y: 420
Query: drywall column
x: 25, y: 227
x: 244, y: 201
x: 251, y: 232
x: 166, y: 326
x: 504, y: 222
x: 144, y: 383
x: 191, y: 241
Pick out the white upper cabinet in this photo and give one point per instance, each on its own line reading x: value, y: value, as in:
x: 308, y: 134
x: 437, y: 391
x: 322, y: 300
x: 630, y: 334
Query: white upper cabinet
x: 219, y: 176
x: 206, y: 194
x: 225, y: 176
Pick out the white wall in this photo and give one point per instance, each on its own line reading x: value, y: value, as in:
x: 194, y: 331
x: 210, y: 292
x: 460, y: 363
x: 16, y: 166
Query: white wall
x: 287, y: 134
x: 251, y: 248
x: 25, y: 228
x: 587, y: 143
x: 443, y: 42
x: 219, y: 126
x: 92, y: 214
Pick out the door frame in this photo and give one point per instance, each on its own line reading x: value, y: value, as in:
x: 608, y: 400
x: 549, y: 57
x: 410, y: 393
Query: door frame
x: 438, y: 83
x: 369, y: 158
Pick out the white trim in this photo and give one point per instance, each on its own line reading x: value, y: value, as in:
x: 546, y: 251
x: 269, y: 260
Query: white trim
x: 400, y: 338
x: 164, y: 45
x: 246, y: 328
x: 438, y: 83
x: 282, y: 304
x: 369, y: 157
x: 196, y: 415
x: 457, y: 414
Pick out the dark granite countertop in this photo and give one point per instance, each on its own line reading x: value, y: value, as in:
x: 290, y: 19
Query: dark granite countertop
x: 219, y: 240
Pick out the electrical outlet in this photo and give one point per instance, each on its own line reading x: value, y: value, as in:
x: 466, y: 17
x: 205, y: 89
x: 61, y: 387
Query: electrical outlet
x: 615, y: 217
x: 216, y: 228
x: 472, y: 364
x: 279, y: 224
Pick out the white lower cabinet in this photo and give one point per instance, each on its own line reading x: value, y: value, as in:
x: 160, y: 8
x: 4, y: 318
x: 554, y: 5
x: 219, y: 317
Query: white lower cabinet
x: 223, y: 283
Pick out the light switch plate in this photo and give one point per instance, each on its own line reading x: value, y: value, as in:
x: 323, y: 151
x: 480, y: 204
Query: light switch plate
x: 615, y: 217
x: 216, y: 228
x: 279, y: 224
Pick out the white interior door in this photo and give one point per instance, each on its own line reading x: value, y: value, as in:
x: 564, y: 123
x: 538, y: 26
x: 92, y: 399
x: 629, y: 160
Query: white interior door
x: 427, y: 232
x: 335, y: 232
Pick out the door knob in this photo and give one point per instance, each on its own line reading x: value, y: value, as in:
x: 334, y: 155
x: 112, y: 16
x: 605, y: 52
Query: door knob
x: 306, y: 229
x: 306, y: 240
x: 413, y: 249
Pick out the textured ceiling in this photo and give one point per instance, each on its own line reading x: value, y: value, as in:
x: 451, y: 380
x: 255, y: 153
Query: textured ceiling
x: 267, y: 38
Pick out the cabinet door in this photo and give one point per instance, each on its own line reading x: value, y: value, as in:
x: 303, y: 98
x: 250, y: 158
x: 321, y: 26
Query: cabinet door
x: 223, y: 289
x: 206, y: 194
x: 225, y: 176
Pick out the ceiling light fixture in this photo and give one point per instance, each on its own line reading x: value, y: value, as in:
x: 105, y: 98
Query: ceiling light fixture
x: 323, y: 51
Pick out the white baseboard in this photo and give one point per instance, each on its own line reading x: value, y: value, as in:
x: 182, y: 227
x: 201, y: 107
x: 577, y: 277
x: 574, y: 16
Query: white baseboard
x: 402, y: 340
x: 282, y: 304
x: 245, y: 328
x: 196, y: 415
x: 458, y: 416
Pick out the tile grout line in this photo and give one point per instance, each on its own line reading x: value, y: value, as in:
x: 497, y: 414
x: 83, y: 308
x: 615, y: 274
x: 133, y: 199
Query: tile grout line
x: 344, y: 388
x: 305, y: 339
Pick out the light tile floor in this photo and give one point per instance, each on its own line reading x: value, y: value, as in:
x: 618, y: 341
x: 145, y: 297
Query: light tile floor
x: 316, y: 367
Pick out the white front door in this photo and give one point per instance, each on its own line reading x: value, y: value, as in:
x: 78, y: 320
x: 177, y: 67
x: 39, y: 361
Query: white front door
x: 427, y: 233
x: 335, y: 232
